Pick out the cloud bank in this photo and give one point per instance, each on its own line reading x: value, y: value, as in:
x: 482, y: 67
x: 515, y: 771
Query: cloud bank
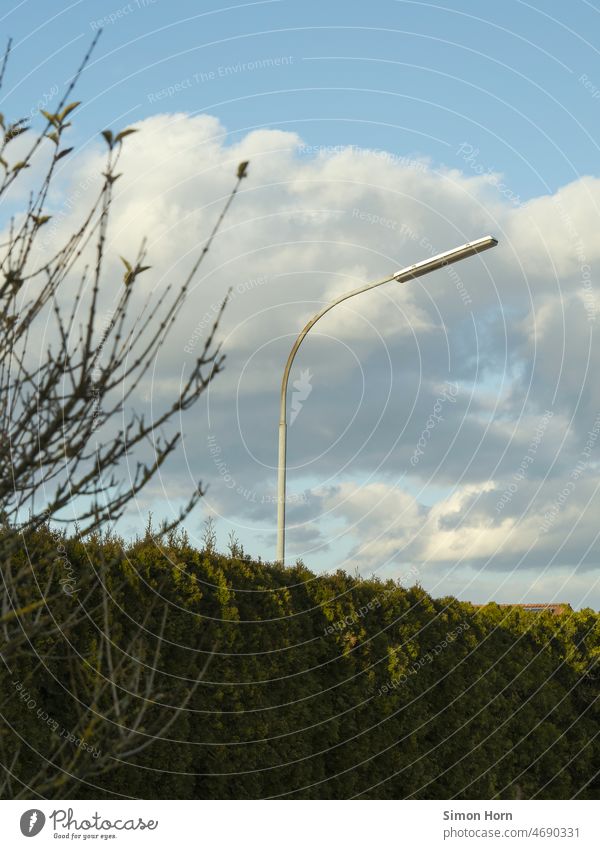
x: 450, y: 423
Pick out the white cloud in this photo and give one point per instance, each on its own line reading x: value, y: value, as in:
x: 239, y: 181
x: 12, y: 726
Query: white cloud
x: 512, y: 328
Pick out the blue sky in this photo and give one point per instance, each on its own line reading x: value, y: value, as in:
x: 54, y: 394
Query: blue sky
x: 408, y: 77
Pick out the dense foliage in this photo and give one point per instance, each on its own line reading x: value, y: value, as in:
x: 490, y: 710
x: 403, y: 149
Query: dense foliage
x: 276, y: 682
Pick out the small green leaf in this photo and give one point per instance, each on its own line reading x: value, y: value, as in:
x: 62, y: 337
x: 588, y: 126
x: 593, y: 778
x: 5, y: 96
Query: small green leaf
x: 129, y: 274
x: 120, y: 136
x: 242, y: 170
x: 108, y: 137
x: 41, y: 219
x: 19, y: 166
x: 53, y: 119
x: 63, y: 153
x: 53, y: 136
x: 13, y: 131
x: 68, y: 109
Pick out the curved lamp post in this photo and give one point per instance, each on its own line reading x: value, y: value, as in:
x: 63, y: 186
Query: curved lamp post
x: 408, y: 273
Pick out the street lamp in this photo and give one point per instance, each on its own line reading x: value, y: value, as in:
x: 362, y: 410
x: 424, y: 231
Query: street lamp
x: 408, y: 273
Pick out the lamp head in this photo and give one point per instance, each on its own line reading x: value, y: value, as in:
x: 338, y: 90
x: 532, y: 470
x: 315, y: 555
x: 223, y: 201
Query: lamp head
x: 440, y: 260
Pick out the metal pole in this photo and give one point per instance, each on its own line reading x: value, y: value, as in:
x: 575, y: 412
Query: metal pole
x: 281, y: 489
x: 408, y: 273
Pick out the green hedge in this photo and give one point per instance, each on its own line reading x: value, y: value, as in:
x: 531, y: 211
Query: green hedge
x: 322, y: 686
